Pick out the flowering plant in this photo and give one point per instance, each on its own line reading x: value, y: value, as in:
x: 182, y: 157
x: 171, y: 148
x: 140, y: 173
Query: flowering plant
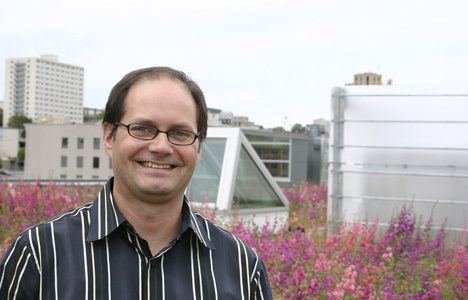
x: 23, y: 205
x: 305, y: 259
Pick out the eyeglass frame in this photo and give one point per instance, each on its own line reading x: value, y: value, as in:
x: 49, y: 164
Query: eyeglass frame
x: 197, y: 135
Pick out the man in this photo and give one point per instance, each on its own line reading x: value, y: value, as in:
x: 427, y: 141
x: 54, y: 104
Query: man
x: 139, y: 239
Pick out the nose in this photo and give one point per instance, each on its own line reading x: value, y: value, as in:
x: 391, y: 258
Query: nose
x: 160, y: 144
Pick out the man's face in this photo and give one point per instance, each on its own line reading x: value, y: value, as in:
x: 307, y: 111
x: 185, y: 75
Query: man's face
x: 154, y: 170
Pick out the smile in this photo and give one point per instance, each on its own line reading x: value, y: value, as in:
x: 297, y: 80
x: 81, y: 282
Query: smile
x: 156, y: 166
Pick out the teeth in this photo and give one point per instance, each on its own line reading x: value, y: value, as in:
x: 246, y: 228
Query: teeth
x: 155, y: 166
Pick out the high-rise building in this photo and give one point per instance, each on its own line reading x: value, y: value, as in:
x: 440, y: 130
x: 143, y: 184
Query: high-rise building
x: 43, y: 88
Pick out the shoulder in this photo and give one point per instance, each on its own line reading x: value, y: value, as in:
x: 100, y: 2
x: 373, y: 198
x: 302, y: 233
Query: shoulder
x: 45, y: 231
x: 225, y: 241
x: 234, y: 257
x: 66, y: 219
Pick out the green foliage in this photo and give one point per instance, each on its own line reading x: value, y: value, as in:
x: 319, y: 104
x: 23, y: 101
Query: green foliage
x: 18, y: 121
x: 100, y: 116
x: 21, y: 153
x: 1, y: 117
x: 279, y: 129
x: 298, y: 128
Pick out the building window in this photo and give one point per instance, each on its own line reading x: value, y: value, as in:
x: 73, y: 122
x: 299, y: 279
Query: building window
x: 96, y: 162
x: 63, y: 161
x: 95, y: 177
x: 63, y: 176
x: 64, y: 143
x: 80, y: 143
x: 79, y: 161
x: 79, y: 176
x: 110, y: 163
x: 274, y: 151
x: 278, y: 169
x: 96, y: 143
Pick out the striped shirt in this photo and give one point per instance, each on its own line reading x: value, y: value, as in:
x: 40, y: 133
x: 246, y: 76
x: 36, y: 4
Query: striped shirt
x: 93, y: 252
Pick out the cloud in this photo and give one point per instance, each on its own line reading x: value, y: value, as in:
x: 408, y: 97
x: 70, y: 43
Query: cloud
x: 273, y: 58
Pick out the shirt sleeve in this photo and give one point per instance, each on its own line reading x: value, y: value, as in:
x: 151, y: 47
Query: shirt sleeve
x: 19, y: 274
x: 261, y: 284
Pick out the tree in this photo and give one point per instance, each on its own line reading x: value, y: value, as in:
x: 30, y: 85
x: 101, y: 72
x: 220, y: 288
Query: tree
x: 279, y: 129
x: 1, y: 117
x: 18, y: 121
x: 21, y: 154
x: 100, y: 116
x: 298, y: 128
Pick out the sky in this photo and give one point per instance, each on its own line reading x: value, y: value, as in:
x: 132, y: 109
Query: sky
x: 275, y: 62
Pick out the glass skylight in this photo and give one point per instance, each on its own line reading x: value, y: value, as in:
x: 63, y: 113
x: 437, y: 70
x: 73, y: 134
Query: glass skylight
x: 231, y: 176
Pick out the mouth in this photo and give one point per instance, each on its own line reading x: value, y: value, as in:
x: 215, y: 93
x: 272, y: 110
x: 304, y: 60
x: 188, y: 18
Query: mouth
x: 152, y: 165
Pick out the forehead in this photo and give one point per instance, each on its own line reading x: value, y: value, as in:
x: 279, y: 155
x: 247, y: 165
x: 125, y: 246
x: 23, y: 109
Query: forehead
x: 158, y: 99
x: 158, y: 86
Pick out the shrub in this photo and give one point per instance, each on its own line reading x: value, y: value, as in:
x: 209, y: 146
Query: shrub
x: 304, y: 259
x: 23, y: 205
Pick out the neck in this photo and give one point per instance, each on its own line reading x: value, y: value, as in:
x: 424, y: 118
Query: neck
x: 157, y: 223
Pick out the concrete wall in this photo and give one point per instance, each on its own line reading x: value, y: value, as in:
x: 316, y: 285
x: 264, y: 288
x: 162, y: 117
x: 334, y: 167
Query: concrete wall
x: 44, y: 151
x: 9, y: 142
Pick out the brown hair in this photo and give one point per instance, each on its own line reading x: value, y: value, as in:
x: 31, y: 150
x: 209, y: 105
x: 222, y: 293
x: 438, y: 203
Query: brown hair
x: 115, y: 105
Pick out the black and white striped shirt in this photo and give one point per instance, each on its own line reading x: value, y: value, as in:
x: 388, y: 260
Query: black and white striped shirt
x: 92, y: 252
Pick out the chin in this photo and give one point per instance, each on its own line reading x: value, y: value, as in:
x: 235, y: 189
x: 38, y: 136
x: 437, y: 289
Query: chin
x: 156, y: 190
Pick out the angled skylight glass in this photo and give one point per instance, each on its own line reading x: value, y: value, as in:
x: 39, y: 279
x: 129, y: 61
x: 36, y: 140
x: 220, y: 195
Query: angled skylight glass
x: 205, y: 181
x: 231, y: 176
x: 252, y: 189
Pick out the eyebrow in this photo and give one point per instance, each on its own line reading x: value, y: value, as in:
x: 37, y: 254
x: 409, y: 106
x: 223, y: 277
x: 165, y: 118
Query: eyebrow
x: 184, y: 125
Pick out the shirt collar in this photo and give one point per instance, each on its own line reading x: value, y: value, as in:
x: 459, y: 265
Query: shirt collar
x: 197, y: 223
x: 105, y: 217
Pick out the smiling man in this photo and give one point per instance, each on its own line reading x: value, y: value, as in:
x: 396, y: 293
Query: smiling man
x: 139, y: 239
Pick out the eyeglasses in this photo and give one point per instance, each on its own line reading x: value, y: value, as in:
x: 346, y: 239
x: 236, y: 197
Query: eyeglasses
x: 179, y: 137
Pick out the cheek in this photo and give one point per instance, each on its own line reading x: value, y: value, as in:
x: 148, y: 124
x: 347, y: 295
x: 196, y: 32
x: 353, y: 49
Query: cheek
x: 191, y: 156
x: 126, y: 150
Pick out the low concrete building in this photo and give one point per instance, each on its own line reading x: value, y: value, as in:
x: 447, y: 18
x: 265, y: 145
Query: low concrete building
x: 9, y: 145
x: 219, y: 118
x: 66, y: 152
x: 76, y: 152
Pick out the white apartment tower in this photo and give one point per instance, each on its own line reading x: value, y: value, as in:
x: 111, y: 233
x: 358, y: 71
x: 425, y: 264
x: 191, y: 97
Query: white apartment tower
x: 43, y: 88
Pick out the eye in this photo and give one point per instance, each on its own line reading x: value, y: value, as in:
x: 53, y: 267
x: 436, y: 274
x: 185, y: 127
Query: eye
x: 141, y: 128
x: 180, y: 134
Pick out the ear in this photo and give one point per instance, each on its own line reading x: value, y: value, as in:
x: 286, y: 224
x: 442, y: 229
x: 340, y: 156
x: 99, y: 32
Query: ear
x: 107, y: 129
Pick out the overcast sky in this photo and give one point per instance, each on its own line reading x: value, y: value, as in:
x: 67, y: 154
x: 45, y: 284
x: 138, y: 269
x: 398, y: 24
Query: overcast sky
x: 268, y: 60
